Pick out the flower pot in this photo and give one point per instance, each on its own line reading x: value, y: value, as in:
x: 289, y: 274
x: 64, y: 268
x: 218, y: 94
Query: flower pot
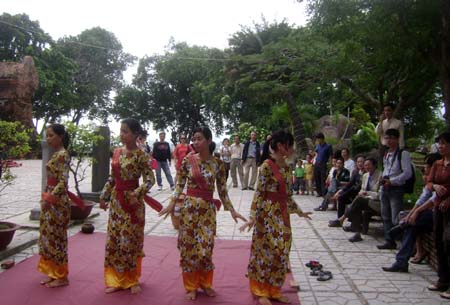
x: 87, y: 228
x: 76, y: 213
x: 7, y: 230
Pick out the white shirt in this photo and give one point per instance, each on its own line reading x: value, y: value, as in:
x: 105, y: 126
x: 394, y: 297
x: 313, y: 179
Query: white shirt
x: 350, y: 165
x: 392, y: 123
x: 236, y: 150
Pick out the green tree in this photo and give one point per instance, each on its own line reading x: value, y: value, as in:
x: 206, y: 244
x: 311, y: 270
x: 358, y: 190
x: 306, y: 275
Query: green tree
x: 100, y: 63
x: 178, y: 90
x: 20, y: 36
x: 14, y: 143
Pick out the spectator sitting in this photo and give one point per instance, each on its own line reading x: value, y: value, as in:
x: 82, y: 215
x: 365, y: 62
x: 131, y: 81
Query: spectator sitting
x: 348, y: 162
x: 340, y: 175
x: 367, y: 199
x: 346, y: 195
x: 423, y: 224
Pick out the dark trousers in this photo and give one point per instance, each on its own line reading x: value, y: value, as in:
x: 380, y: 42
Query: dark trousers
x: 320, y: 175
x: 442, y: 250
x: 344, y: 200
x: 355, y: 212
x: 424, y: 224
x: 299, y: 184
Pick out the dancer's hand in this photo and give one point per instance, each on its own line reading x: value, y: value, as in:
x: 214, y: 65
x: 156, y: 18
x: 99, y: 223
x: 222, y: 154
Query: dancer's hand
x: 249, y: 224
x: 237, y: 216
x: 103, y: 205
x: 168, y: 209
x: 305, y: 215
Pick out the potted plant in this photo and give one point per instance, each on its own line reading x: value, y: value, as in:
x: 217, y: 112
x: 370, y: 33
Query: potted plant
x: 14, y: 143
x: 82, y: 140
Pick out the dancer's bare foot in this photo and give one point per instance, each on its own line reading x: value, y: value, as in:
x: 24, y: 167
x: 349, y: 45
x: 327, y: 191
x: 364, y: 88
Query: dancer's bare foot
x: 57, y: 283
x: 264, y: 301
x: 191, y: 295
x: 135, y: 289
x: 109, y: 290
x: 46, y: 281
x: 209, y: 292
x: 284, y: 299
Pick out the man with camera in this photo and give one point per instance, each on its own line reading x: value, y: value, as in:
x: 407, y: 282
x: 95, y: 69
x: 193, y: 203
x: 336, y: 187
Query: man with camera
x: 397, y: 170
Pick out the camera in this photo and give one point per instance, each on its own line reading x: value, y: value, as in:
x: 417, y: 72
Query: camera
x: 383, y: 180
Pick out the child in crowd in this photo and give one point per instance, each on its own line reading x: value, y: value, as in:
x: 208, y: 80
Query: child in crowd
x: 309, y: 170
x: 299, y: 174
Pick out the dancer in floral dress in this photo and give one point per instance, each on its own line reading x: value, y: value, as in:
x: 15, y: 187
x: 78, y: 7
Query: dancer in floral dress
x: 272, y: 235
x: 125, y: 235
x: 55, y: 211
x: 200, y: 171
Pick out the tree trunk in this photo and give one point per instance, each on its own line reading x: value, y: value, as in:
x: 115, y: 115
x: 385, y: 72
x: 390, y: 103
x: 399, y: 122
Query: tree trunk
x: 297, y: 123
x: 445, y: 59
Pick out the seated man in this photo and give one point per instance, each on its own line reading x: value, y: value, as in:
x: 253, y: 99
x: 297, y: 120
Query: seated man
x: 346, y: 195
x: 367, y: 199
x: 341, y: 176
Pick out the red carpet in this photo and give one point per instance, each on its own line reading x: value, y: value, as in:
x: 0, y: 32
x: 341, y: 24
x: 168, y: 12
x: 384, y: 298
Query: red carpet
x: 161, y: 277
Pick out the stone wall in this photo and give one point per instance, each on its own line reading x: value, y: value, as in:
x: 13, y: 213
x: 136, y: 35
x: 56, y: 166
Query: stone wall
x: 18, y: 82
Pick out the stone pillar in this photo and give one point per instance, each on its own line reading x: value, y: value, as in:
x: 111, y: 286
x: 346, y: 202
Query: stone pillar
x: 47, y: 152
x: 102, y: 156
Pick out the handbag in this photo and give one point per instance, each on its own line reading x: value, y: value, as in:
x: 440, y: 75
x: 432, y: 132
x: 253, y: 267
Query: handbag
x: 153, y: 164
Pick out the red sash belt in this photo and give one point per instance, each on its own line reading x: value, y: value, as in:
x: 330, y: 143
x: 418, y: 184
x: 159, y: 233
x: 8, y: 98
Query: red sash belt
x: 129, y: 185
x: 51, y: 181
x: 282, y: 199
x: 205, y: 195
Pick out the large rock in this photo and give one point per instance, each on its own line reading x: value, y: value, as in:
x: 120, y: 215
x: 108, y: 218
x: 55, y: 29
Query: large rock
x: 338, y: 127
x: 18, y: 82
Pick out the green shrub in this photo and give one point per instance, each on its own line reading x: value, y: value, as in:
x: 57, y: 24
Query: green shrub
x: 365, y: 139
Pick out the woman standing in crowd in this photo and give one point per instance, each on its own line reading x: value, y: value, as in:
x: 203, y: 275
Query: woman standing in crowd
x: 200, y: 171
x: 269, y: 215
x: 181, y: 151
x: 125, y: 235
x: 55, y: 211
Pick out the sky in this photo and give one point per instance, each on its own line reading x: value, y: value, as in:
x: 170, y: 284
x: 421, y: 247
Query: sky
x: 144, y: 27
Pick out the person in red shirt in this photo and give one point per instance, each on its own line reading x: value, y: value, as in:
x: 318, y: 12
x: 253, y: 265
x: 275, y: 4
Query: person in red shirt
x: 180, y: 151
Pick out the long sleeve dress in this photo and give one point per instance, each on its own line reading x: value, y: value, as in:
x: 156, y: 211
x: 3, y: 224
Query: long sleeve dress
x: 125, y: 235
x: 198, y: 220
x: 272, y: 236
x: 54, y: 219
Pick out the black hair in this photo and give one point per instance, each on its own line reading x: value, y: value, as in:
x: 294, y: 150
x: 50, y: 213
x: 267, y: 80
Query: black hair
x: 431, y: 158
x: 320, y: 135
x: 445, y: 136
x: 226, y: 139
x: 339, y: 158
x: 206, y: 132
x: 60, y: 130
x: 280, y: 136
x: 373, y: 161
x: 392, y: 133
x: 345, y: 148
x: 134, y: 126
x: 389, y: 105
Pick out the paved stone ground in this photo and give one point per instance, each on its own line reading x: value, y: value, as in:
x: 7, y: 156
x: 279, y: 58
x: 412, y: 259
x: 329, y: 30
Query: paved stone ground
x: 358, y: 278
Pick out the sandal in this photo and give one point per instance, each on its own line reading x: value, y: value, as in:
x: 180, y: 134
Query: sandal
x: 315, y: 271
x: 313, y: 264
x: 324, y: 276
x: 445, y: 295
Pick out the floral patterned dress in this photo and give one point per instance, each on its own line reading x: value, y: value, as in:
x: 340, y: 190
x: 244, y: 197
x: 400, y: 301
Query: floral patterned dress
x: 198, y: 222
x: 55, y: 218
x: 125, y: 235
x: 272, y: 236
